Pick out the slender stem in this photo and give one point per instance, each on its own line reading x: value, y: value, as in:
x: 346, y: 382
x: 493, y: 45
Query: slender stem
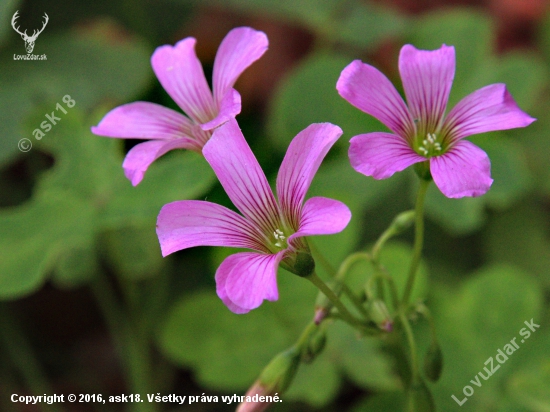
x: 21, y: 353
x: 418, y: 240
x: 335, y: 300
x: 306, y: 335
x: 131, y: 343
x: 412, y: 347
x: 355, y: 300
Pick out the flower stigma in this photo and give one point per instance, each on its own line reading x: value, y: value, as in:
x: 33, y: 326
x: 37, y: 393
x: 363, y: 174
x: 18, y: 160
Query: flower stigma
x: 430, y: 146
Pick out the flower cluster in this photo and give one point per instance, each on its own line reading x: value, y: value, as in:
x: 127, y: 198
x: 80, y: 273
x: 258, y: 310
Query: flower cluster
x: 273, y: 227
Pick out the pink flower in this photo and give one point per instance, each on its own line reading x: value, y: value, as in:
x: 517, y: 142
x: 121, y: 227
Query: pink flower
x: 421, y: 131
x: 274, y: 230
x: 180, y: 73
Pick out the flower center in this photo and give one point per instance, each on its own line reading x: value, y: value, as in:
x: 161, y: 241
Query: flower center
x: 280, y: 239
x: 430, y: 146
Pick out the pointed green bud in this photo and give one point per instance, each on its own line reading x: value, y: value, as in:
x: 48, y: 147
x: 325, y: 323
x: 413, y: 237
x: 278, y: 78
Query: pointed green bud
x: 422, y: 169
x: 403, y: 221
x: 301, y: 264
x: 419, y: 398
x: 323, y: 305
x: 379, y: 314
x: 279, y: 373
x: 433, y: 362
x: 315, y: 346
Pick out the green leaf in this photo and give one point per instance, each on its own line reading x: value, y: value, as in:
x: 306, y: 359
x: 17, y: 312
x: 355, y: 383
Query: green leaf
x: 89, y: 65
x: 182, y: 175
x: 226, y: 350
x: 36, y: 235
x: 518, y: 238
x: 362, y: 360
x: 134, y: 252
x: 308, y: 95
x: 474, y: 322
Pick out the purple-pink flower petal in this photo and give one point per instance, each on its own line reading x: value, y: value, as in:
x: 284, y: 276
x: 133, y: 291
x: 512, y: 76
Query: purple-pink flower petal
x: 369, y: 90
x: 230, y: 107
x: 302, y: 160
x: 244, y: 280
x: 190, y: 223
x: 143, y: 120
x: 487, y: 109
x: 465, y: 170
x: 381, y: 154
x: 241, y: 176
x: 180, y: 73
x: 427, y: 79
x: 140, y: 157
x: 322, y: 216
x: 239, y: 49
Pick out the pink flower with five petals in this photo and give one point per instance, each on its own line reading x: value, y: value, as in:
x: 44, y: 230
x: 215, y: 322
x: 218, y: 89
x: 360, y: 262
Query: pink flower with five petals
x: 180, y: 73
x: 421, y: 130
x: 273, y: 230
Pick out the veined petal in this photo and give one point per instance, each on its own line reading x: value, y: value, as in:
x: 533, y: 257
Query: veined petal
x: 238, y: 50
x: 427, y: 79
x: 369, y: 90
x: 143, y: 120
x: 180, y: 73
x: 302, y: 160
x: 380, y: 154
x: 322, y: 216
x: 244, y: 280
x: 190, y: 223
x: 241, y: 176
x: 487, y: 109
x: 465, y: 170
x: 140, y: 157
x: 230, y: 107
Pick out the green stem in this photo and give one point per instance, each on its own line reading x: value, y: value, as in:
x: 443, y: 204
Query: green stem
x: 321, y: 258
x: 306, y: 335
x: 131, y: 343
x: 22, y: 355
x: 335, y: 300
x: 412, y: 347
x: 418, y: 240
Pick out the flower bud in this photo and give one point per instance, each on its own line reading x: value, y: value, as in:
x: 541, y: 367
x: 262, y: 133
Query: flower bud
x: 433, y: 362
x: 378, y: 313
x: 314, y: 347
x: 422, y: 169
x: 403, y: 221
x: 323, y: 305
x: 274, y: 379
x: 419, y: 398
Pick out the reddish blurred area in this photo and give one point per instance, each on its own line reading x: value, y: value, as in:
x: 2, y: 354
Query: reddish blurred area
x: 516, y: 22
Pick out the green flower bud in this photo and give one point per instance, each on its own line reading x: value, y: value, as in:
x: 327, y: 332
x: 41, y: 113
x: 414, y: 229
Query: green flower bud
x: 315, y: 346
x: 422, y: 169
x: 419, y: 398
x: 378, y: 313
x: 403, y: 221
x: 433, y: 362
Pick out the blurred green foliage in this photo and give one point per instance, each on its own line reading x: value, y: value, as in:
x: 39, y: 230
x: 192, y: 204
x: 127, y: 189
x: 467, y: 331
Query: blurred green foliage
x: 83, y: 218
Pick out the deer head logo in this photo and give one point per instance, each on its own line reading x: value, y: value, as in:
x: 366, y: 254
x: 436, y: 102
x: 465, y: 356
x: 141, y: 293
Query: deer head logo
x: 29, y: 40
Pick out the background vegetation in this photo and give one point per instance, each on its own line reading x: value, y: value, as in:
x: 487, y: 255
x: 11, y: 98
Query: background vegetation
x: 88, y: 304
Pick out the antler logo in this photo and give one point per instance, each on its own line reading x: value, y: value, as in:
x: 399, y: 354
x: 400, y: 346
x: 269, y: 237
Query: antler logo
x: 29, y: 40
